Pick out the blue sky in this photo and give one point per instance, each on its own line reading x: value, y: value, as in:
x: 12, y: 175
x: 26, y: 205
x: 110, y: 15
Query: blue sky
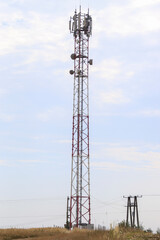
x: 36, y: 110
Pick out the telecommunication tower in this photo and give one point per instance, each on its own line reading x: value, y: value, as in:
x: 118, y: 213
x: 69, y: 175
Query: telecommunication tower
x: 80, y: 26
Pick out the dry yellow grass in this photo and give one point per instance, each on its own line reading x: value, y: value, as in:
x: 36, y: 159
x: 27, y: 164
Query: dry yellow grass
x: 76, y: 234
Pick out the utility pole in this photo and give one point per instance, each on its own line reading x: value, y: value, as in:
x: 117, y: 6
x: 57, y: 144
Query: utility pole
x: 132, y: 218
x: 80, y: 26
x: 67, y: 225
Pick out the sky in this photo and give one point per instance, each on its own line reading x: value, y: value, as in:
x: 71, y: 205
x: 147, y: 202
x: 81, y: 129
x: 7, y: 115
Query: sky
x: 36, y: 99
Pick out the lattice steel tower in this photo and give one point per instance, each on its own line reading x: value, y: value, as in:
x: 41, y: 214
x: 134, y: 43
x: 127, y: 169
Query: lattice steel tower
x: 132, y: 211
x: 80, y: 26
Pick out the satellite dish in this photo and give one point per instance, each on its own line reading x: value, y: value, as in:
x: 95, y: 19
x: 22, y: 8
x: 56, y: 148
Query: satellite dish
x: 90, y: 62
x: 73, y: 56
x: 71, y: 72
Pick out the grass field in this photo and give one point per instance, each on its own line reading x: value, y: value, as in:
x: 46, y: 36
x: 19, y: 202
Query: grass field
x: 76, y: 234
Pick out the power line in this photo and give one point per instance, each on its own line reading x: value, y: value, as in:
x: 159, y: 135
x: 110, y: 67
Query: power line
x: 106, y: 203
x: 152, y: 195
x: 149, y: 211
x: 30, y: 223
x: 59, y: 215
x: 32, y: 199
x: 108, y: 212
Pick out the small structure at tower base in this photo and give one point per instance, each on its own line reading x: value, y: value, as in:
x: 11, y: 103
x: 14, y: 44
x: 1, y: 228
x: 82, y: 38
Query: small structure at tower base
x: 87, y: 226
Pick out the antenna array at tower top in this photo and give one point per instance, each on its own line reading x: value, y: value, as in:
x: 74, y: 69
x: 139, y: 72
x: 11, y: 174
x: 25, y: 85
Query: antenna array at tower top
x: 81, y: 22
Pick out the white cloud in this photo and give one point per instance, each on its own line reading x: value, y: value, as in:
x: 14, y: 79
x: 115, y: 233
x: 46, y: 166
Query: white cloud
x: 111, y: 73
x: 133, y: 154
x: 3, y: 92
x: 150, y: 113
x: 145, y: 113
x: 18, y: 1
x: 32, y: 161
x: 108, y: 69
x: 155, y: 164
x: 135, y: 17
x: 24, y: 150
x: 9, y: 163
x: 63, y: 141
x: 143, y: 3
x: 114, y: 97
x: 44, y: 35
x: 7, y: 117
x: 109, y: 166
x: 54, y: 113
x: 4, y: 163
x: 142, y: 157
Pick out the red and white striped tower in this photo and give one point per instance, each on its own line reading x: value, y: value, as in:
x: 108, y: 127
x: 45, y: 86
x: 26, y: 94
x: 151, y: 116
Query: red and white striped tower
x: 80, y: 26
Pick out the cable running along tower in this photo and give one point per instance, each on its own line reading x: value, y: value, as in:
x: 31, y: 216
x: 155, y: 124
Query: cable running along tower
x: 80, y: 26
